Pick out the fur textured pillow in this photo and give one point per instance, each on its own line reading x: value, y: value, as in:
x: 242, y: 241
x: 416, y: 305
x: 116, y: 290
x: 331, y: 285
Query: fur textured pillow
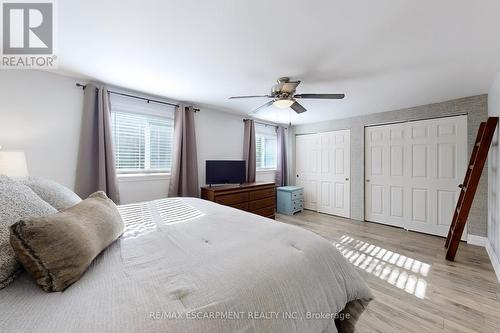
x: 56, y: 250
x: 58, y: 196
x: 16, y: 202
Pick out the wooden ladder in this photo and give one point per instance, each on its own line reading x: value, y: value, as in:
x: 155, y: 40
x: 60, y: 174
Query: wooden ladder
x: 469, y: 186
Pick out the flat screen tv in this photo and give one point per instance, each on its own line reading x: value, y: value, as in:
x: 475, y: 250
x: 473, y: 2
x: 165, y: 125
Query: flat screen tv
x: 225, y: 172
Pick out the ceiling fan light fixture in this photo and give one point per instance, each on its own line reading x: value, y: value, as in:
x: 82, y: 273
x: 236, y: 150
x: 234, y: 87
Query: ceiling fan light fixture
x: 283, y: 103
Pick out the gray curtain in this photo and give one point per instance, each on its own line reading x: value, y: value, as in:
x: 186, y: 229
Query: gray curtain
x: 249, y: 150
x: 184, y: 177
x: 96, y: 169
x: 282, y: 167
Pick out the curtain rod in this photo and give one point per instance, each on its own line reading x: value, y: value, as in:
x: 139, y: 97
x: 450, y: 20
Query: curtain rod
x: 83, y: 86
x: 262, y: 123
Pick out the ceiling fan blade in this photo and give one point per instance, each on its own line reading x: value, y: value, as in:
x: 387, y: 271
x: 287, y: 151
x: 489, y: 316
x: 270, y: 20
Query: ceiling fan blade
x: 262, y: 107
x: 320, y: 96
x: 254, y: 96
x: 298, y: 108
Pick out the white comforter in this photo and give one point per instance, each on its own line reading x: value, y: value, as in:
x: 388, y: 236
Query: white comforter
x: 182, y: 265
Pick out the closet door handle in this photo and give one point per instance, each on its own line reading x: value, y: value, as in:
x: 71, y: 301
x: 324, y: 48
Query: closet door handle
x: 347, y: 179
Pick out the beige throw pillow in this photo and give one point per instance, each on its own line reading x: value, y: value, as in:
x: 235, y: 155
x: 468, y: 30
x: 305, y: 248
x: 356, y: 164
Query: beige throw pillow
x: 57, y: 249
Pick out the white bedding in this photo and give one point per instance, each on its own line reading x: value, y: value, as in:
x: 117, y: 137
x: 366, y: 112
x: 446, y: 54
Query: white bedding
x: 197, y: 261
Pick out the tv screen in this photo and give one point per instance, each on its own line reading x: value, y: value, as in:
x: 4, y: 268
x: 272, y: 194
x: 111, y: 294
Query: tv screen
x: 225, y: 172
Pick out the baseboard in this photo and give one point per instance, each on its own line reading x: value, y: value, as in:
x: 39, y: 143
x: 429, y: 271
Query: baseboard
x: 477, y: 240
x: 483, y: 241
x: 494, y: 260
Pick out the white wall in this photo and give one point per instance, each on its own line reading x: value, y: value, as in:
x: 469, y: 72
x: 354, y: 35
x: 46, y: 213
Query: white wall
x: 493, y: 245
x: 219, y: 135
x: 40, y: 113
x: 143, y: 188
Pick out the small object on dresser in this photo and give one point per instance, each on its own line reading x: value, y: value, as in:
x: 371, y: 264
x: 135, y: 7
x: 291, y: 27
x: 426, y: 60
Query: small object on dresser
x: 290, y: 199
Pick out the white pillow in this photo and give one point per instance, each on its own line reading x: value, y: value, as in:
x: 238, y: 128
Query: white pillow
x: 57, y: 195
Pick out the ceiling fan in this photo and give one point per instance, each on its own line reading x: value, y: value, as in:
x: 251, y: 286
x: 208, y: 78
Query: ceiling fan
x: 283, y: 96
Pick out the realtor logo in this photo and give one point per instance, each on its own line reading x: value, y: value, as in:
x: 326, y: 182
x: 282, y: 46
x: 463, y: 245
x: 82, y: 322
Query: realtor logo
x: 28, y: 34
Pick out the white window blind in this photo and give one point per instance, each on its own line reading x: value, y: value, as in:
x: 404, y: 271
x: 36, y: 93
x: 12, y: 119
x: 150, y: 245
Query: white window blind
x: 266, y: 147
x: 142, y: 136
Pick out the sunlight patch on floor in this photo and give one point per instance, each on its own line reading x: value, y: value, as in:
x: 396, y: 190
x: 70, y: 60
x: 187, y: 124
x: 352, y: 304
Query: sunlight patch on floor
x: 398, y: 270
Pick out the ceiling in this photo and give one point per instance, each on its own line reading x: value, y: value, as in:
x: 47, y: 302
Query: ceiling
x: 384, y: 55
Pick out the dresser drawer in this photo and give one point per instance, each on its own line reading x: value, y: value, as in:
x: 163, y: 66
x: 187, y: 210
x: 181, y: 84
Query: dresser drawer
x: 297, y: 195
x: 242, y: 206
x: 267, y: 212
x: 298, y: 205
x: 261, y: 194
x: 261, y: 203
x: 231, y: 199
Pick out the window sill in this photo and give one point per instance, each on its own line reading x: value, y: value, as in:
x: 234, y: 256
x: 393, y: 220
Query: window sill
x: 140, y: 177
x: 266, y: 171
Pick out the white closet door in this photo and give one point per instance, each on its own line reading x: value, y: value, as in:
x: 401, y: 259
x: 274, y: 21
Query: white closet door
x: 412, y: 172
x: 437, y: 161
x: 385, y: 174
x: 334, y: 173
x: 307, y: 164
x: 323, y: 169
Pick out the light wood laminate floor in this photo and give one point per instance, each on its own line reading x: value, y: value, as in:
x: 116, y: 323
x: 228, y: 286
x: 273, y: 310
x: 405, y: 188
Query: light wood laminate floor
x: 415, y: 288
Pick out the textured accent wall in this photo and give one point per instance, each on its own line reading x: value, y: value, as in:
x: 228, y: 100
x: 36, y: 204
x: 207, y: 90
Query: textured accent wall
x: 476, y: 108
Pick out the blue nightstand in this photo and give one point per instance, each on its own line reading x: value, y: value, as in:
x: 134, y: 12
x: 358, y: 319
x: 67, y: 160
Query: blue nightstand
x: 290, y: 199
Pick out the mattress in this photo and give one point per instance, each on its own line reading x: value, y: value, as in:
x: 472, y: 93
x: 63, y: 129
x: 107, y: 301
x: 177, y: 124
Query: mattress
x: 190, y: 265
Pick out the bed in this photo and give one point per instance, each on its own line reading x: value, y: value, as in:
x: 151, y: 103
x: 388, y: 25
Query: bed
x: 190, y: 265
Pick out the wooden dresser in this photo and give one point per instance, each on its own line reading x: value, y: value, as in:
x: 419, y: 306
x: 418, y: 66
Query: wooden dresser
x: 257, y: 198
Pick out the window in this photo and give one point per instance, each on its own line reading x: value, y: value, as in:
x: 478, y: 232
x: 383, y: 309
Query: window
x: 266, y: 147
x: 142, y: 136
